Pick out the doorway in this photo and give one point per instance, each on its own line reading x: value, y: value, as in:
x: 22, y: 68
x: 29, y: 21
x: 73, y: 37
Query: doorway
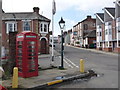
x: 43, y: 46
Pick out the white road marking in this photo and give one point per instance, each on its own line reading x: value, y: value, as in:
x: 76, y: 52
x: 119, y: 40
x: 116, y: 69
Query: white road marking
x: 72, y: 63
x: 67, y: 63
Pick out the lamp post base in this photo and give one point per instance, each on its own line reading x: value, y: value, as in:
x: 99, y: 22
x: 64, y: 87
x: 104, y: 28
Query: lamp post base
x: 52, y: 61
x: 52, y: 58
x: 62, y: 68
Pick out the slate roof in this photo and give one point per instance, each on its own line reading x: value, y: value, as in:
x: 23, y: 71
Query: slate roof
x: 111, y: 11
x: 101, y: 15
x: 23, y: 15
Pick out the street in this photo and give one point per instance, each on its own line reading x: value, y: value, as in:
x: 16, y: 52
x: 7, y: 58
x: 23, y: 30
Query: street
x: 105, y: 65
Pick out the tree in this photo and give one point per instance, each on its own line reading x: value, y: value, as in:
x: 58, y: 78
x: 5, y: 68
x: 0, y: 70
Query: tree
x: 11, y: 63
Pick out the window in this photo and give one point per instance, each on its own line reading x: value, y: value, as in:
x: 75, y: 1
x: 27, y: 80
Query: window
x: 106, y: 32
x: 26, y: 25
x: 118, y: 28
x: 100, y: 27
x: 94, y: 25
x: 100, y: 33
x: 119, y: 43
x: 74, y: 33
x: 43, y: 27
x: 109, y: 23
x: 110, y: 31
x: 97, y: 33
x: 85, y: 26
x: 11, y: 27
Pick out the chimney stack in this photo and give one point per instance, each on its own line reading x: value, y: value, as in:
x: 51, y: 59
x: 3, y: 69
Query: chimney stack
x: 88, y: 17
x: 36, y: 9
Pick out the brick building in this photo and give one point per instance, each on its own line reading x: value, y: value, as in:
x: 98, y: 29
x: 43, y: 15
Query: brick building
x: 26, y: 21
x: 82, y: 31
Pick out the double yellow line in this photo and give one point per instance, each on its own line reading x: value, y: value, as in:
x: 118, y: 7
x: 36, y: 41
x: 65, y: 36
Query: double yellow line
x: 54, y: 82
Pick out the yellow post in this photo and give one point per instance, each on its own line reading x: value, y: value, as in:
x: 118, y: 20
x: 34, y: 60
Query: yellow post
x: 15, y: 78
x: 81, y: 65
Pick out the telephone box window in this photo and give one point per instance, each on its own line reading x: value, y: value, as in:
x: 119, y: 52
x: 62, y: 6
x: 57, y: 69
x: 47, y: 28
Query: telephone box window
x: 32, y: 42
x: 31, y: 46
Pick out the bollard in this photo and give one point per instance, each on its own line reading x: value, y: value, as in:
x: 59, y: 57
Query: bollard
x: 15, y: 78
x: 81, y: 65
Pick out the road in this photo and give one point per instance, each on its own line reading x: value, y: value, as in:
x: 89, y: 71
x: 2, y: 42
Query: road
x: 105, y: 65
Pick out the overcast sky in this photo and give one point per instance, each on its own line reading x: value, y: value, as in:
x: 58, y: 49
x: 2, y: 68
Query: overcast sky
x: 72, y: 11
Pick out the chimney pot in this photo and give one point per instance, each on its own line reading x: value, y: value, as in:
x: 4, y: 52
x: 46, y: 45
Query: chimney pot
x: 89, y: 17
x: 36, y: 9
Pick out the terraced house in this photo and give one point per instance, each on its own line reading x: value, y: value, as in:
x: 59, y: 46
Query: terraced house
x: 25, y: 21
x: 108, y: 35
x: 84, y: 33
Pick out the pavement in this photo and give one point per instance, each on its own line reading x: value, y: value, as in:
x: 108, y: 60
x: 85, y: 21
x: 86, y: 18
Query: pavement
x: 48, y: 75
x: 95, y: 50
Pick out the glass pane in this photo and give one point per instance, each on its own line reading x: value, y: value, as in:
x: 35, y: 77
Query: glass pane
x: 31, y: 46
x: 32, y: 50
x: 31, y: 58
x: 19, y: 58
x: 20, y: 42
x: 26, y: 25
x: 19, y: 46
x: 20, y: 51
x: 32, y: 54
x: 10, y: 27
x: 19, y: 54
x: 45, y: 28
x: 31, y: 42
x: 19, y: 69
x: 41, y: 27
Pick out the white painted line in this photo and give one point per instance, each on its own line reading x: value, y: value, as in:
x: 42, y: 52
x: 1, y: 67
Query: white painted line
x: 72, y: 63
x: 67, y: 63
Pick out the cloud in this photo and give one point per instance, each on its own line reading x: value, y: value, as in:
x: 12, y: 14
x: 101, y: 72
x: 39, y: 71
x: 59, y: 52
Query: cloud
x: 94, y: 5
x: 69, y: 23
x: 83, y: 5
x: 61, y: 5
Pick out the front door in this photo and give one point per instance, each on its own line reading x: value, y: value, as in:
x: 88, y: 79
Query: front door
x: 113, y: 46
x: 43, y: 46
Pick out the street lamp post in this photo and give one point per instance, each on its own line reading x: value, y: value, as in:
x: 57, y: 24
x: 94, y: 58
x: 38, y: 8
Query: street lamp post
x: 62, y: 25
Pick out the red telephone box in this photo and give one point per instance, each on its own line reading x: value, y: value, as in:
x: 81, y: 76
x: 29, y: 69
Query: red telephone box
x: 27, y: 54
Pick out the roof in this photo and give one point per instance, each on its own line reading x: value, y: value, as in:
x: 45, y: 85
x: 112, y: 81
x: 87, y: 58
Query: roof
x: 91, y: 34
x: 23, y: 15
x: 88, y: 17
x: 111, y: 11
x: 100, y: 16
